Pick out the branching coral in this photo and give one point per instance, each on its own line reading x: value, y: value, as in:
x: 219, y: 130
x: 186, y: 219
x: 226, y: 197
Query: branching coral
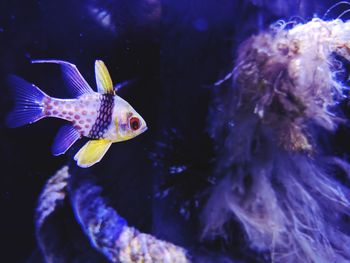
x: 275, y: 178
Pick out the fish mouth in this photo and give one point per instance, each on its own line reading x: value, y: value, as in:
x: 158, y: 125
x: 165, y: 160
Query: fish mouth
x: 144, y: 129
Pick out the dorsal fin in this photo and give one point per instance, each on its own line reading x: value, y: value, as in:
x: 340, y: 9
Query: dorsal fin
x: 103, y: 79
x: 74, y: 80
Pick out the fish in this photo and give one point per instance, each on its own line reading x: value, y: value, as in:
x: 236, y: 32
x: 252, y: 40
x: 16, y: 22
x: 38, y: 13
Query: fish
x: 103, y: 116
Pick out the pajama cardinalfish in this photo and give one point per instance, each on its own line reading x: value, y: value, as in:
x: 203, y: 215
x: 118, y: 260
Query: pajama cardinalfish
x: 102, y: 116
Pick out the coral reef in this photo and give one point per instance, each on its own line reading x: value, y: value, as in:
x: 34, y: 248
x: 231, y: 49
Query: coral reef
x: 273, y: 174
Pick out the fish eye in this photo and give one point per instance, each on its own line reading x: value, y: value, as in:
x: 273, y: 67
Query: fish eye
x: 134, y: 123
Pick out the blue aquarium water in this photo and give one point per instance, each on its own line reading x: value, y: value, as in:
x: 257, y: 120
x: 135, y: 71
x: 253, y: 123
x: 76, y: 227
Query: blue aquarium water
x: 244, y: 157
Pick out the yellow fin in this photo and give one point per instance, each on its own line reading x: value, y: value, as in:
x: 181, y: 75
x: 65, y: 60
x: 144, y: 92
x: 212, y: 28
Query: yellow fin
x: 92, y: 152
x: 103, y: 79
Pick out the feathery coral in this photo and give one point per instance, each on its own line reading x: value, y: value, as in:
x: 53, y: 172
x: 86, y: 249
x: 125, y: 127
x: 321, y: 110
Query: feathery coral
x: 274, y: 179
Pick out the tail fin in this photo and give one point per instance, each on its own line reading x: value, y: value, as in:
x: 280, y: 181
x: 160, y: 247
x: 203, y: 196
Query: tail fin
x: 29, y: 106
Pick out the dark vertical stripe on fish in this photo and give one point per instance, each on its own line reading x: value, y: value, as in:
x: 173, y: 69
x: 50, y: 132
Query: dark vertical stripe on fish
x: 104, y: 117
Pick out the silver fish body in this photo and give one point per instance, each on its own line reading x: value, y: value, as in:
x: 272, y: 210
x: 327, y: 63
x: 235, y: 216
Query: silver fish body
x: 101, y: 116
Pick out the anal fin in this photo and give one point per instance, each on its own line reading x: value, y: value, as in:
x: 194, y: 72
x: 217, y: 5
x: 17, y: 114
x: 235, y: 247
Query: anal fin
x: 92, y: 152
x: 65, y: 138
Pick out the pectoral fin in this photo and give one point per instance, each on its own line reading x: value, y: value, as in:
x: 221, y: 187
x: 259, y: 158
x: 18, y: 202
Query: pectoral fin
x: 103, y: 79
x: 92, y: 152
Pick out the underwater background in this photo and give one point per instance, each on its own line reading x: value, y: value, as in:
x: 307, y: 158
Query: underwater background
x: 172, y: 52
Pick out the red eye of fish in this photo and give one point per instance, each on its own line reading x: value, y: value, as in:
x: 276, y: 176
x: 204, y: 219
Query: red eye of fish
x: 134, y: 123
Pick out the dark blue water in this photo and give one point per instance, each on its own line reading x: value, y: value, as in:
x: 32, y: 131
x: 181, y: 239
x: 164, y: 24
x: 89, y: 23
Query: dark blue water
x: 173, y: 51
